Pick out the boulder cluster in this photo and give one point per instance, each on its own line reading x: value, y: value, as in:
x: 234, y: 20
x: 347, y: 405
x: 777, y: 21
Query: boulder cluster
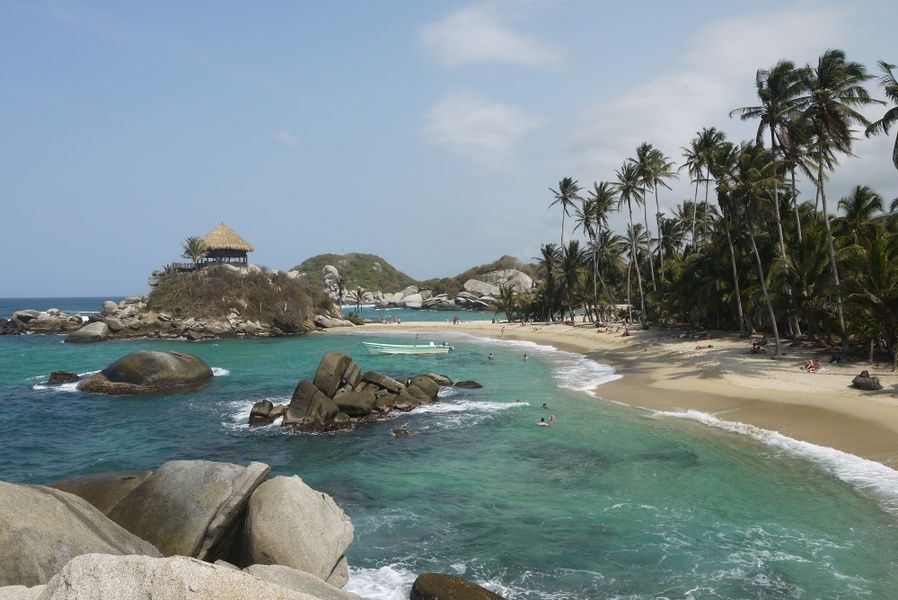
x: 341, y: 394
x: 41, y: 321
x: 478, y: 294
x: 190, y: 529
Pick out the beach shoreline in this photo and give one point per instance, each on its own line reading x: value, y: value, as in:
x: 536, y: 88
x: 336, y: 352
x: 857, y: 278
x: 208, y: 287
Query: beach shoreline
x: 666, y: 370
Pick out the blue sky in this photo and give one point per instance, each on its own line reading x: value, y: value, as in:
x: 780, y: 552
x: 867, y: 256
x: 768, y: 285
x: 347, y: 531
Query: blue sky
x: 427, y: 132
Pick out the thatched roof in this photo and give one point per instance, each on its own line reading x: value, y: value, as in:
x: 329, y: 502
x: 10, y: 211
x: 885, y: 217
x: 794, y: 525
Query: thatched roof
x: 225, y: 238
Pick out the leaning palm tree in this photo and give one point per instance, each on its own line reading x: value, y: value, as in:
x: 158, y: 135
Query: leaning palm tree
x: 194, y: 249
x: 834, y: 89
x: 567, y: 193
x: 629, y: 190
x: 890, y: 86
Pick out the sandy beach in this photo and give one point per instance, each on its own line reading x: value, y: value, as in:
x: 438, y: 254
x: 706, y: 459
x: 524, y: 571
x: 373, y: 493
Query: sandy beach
x: 669, y: 370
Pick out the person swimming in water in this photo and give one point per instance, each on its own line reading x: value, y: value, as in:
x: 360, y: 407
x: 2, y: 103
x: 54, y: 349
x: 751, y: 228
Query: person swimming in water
x: 553, y: 419
x: 525, y: 358
x: 542, y: 422
x: 546, y: 406
x: 490, y: 357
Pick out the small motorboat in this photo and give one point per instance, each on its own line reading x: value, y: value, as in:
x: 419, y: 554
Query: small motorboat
x: 431, y: 348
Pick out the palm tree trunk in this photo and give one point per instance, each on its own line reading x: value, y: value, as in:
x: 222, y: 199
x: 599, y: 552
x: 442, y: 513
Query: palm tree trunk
x: 735, y: 280
x: 562, y: 227
x: 795, y: 205
x: 705, y: 211
x: 635, y: 260
x: 660, y: 233
x: 648, y: 241
x: 595, y: 275
x: 694, y: 211
x: 794, y: 326
x: 776, y: 333
x: 832, y: 247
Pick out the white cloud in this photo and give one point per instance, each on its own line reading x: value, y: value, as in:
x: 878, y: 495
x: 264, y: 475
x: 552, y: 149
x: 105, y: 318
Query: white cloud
x: 472, y: 35
x: 476, y: 128
x: 288, y: 139
x: 714, y: 75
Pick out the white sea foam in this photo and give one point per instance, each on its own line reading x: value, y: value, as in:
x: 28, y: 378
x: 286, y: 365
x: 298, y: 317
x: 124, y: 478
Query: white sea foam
x: 867, y: 475
x: 220, y: 372
x: 465, y: 406
x: 62, y: 387
x: 392, y: 582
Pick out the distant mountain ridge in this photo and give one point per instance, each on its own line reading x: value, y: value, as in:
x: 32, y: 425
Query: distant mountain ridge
x: 366, y: 270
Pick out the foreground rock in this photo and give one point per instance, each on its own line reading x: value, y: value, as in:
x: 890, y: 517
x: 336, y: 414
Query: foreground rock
x: 103, y: 490
x: 20, y: 592
x: 190, y: 507
x: 103, y: 577
x: 290, y: 524
x: 298, y: 581
x: 42, y: 528
x: 339, y: 393
x: 437, y: 586
x: 147, y: 372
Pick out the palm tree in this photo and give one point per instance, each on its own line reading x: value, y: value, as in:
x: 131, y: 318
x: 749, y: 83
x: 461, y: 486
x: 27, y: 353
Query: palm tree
x: 861, y: 207
x: 778, y: 90
x: 643, y: 162
x: 834, y: 88
x: 567, y: 193
x: 628, y: 190
x: 340, y: 284
x: 359, y: 292
x: 571, y: 261
x: 746, y: 186
x: 890, y: 85
x: 724, y: 164
x: 548, y: 261
x: 194, y: 249
x: 693, y: 155
x: 875, y: 260
x: 506, y: 302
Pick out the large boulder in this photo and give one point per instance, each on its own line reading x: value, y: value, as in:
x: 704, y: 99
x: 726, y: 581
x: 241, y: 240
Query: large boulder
x: 329, y: 376
x: 424, y: 388
x: 326, y: 322
x: 518, y: 281
x: 260, y: 414
x: 42, y: 528
x: 355, y: 404
x: 148, y: 372
x: 309, y: 408
x: 90, y: 333
x: 481, y: 288
x: 190, y: 507
x: 382, y: 381
x: 413, y: 301
x: 288, y: 523
x: 437, y: 586
x: 110, y: 308
x: 103, y: 490
x: 298, y: 581
x: 102, y: 577
x: 20, y: 592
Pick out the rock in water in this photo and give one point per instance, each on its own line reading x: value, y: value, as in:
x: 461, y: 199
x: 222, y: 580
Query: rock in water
x: 331, y: 369
x: 57, y: 377
x: 288, y: 523
x: 90, y: 333
x: 101, y: 577
x: 437, y: 586
x: 42, y: 528
x: 468, y: 385
x: 310, y: 409
x: 261, y: 413
x: 103, y: 490
x: 355, y: 404
x: 190, y: 507
x: 299, y: 581
x: 147, y: 372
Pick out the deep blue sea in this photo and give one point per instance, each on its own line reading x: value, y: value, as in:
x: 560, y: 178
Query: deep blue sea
x: 609, y: 502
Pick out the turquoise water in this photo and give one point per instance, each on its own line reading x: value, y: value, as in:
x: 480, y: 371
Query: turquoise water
x: 609, y: 502
x: 405, y: 314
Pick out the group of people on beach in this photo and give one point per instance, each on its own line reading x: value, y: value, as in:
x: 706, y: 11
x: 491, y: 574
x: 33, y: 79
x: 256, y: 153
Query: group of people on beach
x: 390, y: 320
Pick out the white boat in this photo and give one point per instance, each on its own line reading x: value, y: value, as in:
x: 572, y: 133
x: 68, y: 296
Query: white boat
x: 431, y: 348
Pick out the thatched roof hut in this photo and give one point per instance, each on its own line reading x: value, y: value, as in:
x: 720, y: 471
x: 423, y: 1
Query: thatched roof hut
x: 224, y: 245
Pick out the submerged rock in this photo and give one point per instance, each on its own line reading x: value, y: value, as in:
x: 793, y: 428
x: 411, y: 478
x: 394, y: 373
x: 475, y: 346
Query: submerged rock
x: 42, y: 528
x: 468, y: 385
x: 438, y: 586
x: 58, y: 377
x: 147, y: 372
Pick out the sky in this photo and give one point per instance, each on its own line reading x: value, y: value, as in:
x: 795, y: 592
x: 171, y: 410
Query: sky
x: 426, y: 132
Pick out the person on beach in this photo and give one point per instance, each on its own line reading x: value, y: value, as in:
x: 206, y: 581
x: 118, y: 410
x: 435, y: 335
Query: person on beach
x: 542, y: 422
x: 811, y: 366
x: 502, y: 332
x: 626, y: 332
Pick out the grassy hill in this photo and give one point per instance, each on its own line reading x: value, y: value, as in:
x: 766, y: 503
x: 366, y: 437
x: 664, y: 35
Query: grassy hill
x: 367, y: 270
x: 453, y: 285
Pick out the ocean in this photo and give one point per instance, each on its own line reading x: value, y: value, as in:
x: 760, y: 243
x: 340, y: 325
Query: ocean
x: 608, y: 502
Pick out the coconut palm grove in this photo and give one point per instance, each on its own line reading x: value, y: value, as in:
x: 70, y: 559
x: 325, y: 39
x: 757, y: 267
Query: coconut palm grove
x: 759, y: 246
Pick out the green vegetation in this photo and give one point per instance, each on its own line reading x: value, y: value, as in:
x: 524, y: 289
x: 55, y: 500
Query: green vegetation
x: 194, y: 249
x: 754, y: 254
x: 366, y: 270
x: 212, y: 292
x: 453, y: 285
